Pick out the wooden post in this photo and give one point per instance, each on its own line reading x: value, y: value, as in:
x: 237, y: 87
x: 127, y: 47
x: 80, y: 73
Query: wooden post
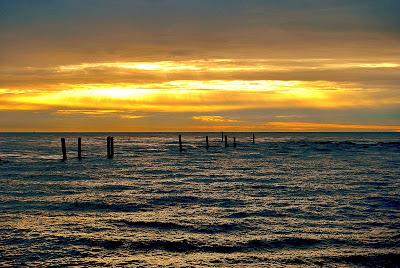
x: 180, y: 143
x: 222, y: 136
x: 79, y: 148
x: 108, y: 147
x: 207, y: 145
x: 226, y: 141
x: 234, y: 141
x: 111, y: 147
x: 254, y: 139
x: 64, y: 149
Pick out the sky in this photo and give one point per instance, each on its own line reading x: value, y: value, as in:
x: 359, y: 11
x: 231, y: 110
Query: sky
x: 199, y: 65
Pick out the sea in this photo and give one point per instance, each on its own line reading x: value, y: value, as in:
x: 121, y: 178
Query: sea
x: 288, y: 200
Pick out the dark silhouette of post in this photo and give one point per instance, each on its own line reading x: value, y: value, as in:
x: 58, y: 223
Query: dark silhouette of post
x: 254, y: 139
x: 79, y: 148
x: 222, y: 136
x: 63, y: 149
x: 226, y: 141
x: 108, y: 147
x: 111, y: 147
x: 234, y: 141
x: 207, y: 145
x: 180, y: 143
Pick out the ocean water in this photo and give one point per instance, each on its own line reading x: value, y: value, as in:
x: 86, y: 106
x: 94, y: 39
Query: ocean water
x: 291, y: 199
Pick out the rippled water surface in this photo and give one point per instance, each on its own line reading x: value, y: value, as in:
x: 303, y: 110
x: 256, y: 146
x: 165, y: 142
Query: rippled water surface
x: 289, y: 200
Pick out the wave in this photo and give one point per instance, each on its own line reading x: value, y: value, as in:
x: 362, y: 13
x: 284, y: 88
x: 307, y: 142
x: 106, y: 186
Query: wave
x: 330, y: 143
x: 263, y: 213
x: 197, y: 246
x: 115, y: 207
x: 171, y: 200
x: 372, y: 260
x: 389, y: 143
x: 383, y: 202
x: 72, y: 206
x: 169, y: 226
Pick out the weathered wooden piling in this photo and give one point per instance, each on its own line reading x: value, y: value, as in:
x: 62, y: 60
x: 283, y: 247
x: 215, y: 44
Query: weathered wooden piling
x: 108, y: 147
x: 234, y: 141
x: 79, y: 148
x: 207, y: 145
x: 222, y: 136
x: 226, y: 141
x: 63, y: 149
x: 180, y: 143
x: 254, y: 139
x: 111, y: 147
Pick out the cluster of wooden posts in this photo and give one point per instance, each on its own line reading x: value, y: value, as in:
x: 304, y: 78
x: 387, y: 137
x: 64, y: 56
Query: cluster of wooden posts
x: 110, y: 145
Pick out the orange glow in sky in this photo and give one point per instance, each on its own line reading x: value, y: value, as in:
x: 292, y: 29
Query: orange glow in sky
x: 81, y: 72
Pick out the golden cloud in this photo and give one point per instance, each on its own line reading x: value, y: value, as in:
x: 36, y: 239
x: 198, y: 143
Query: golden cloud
x: 312, y: 127
x: 214, y: 119
x: 94, y: 89
x: 197, y: 96
x: 152, y: 72
x: 227, y: 65
x: 132, y: 116
x: 296, y: 126
x: 86, y: 112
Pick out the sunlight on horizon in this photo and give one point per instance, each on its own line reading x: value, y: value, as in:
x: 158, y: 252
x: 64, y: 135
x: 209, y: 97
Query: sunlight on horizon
x: 196, y: 86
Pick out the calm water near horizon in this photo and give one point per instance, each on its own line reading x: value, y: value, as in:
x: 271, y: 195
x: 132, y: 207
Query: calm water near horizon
x: 291, y: 199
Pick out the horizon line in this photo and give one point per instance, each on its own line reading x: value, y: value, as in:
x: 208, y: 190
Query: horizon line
x: 5, y: 132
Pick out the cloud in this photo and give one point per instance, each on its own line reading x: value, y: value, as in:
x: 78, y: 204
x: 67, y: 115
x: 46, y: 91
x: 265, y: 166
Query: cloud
x: 214, y: 119
x: 98, y: 113
x: 111, y: 62
x: 201, y: 95
x: 288, y: 116
x: 131, y: 116
x: 335, y: 127
x: 92, y: 112
x: 296, y: 126
x: 150, y: 72
x: 72, y: 32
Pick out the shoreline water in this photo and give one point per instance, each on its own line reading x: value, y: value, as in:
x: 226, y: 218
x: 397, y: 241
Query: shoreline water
x: 298, y: 200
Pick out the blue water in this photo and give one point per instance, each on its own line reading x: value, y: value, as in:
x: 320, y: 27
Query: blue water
x: 291, y: 199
